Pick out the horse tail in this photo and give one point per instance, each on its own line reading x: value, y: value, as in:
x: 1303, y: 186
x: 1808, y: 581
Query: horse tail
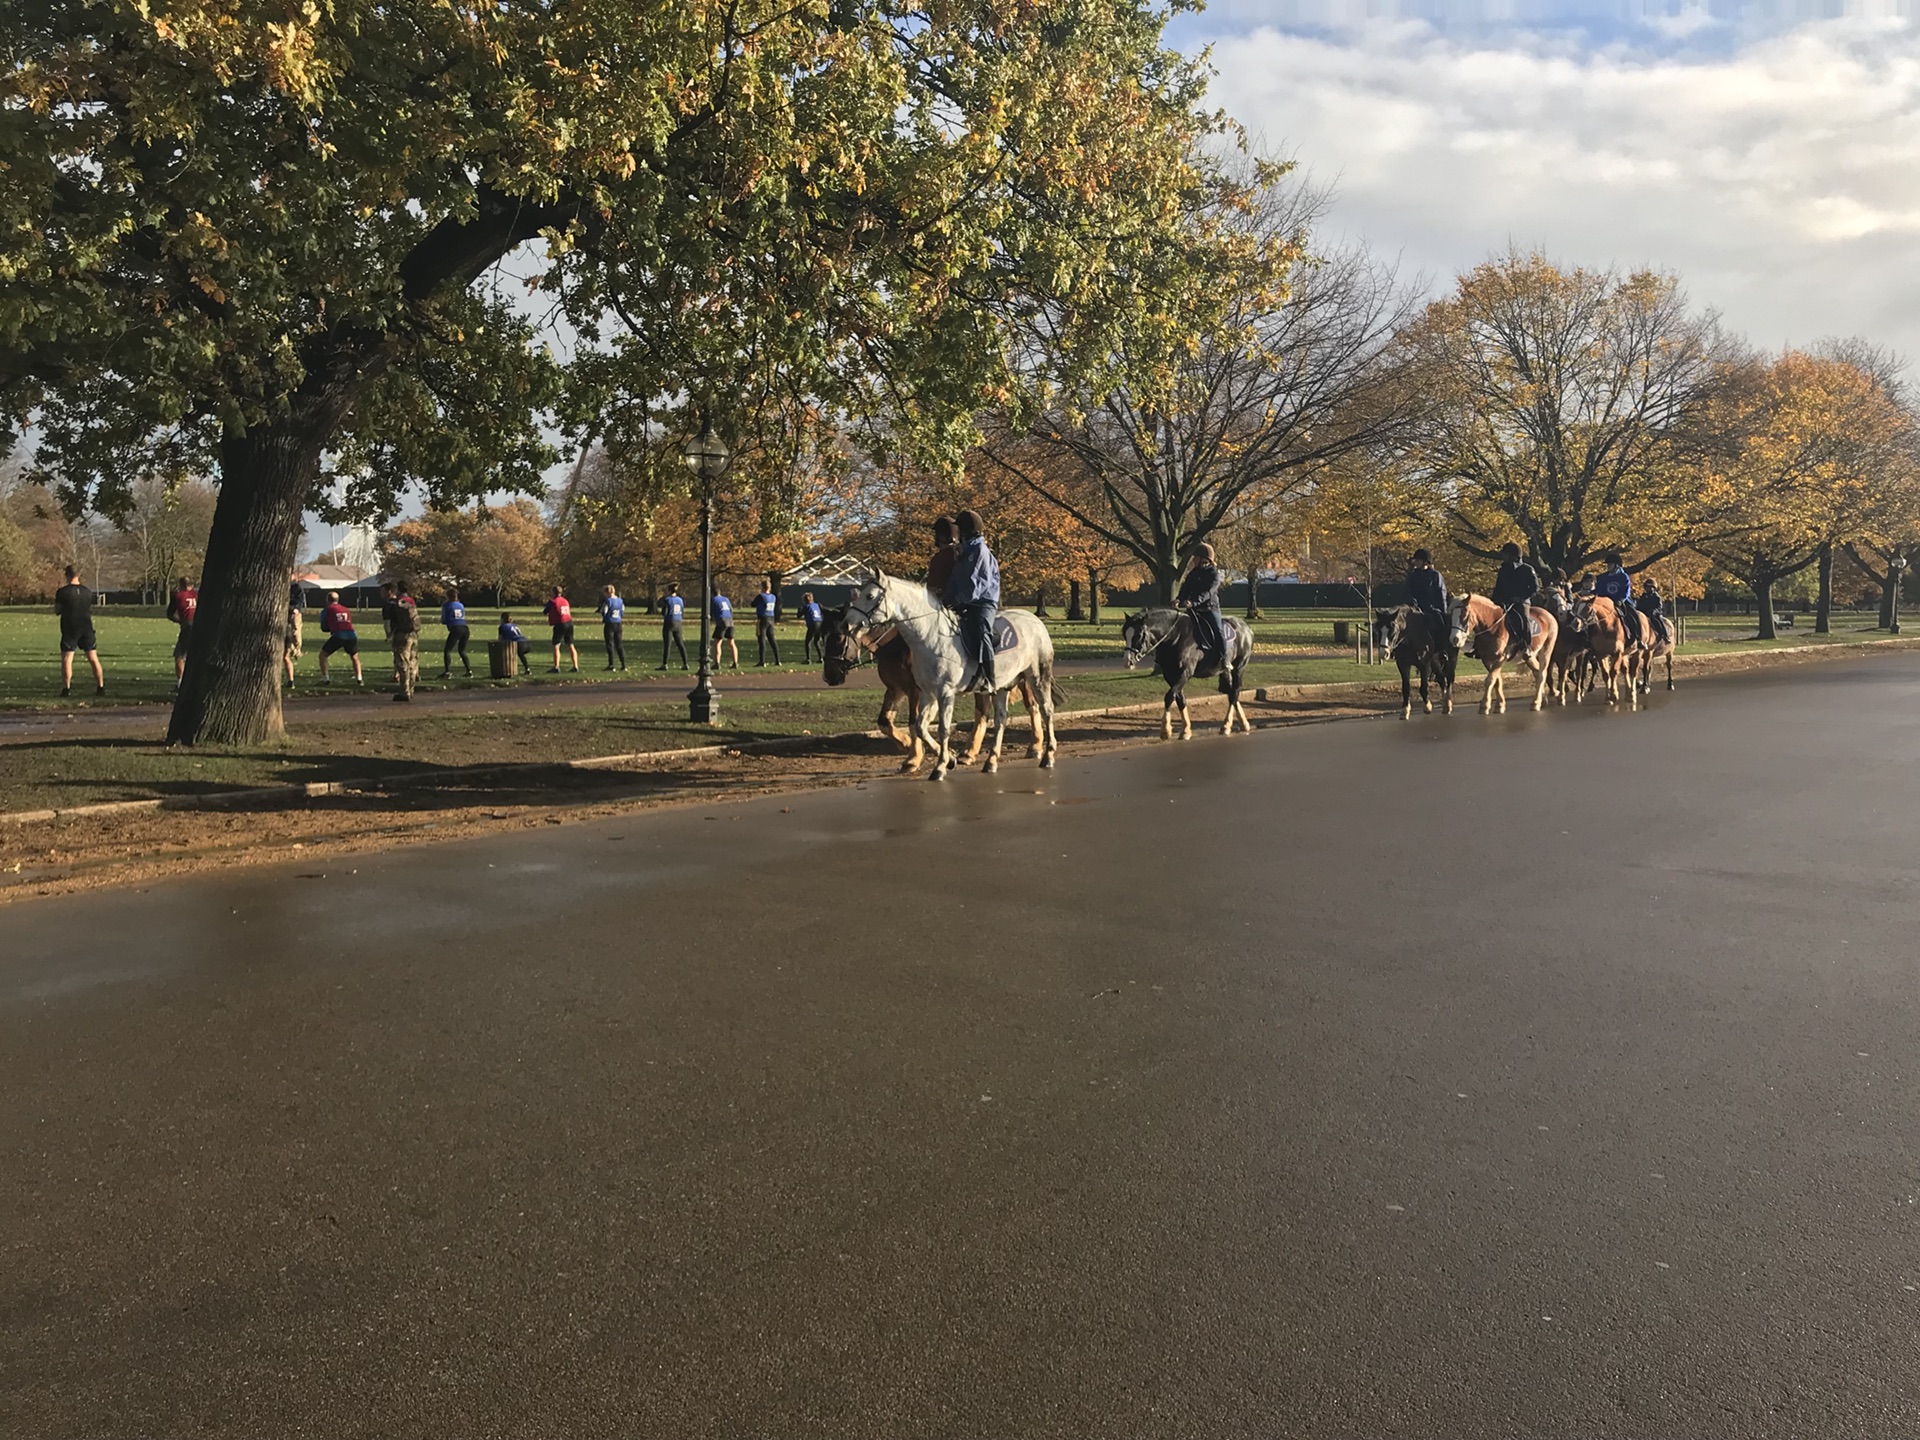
x: 1053, y: 689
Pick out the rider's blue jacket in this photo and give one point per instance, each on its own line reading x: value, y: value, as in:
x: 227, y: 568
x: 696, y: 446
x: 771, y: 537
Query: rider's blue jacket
x: 1616, y: 585
x: 976, y: 575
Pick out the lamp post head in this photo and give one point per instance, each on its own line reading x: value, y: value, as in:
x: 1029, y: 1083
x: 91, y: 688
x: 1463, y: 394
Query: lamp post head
x: 706, y: 454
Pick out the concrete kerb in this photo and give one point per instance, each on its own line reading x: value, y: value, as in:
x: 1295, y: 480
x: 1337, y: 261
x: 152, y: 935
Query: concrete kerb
x: 1338, y: 690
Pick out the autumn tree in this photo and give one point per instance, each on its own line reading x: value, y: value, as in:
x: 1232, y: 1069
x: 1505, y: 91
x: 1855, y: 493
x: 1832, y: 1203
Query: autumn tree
x: 256, y: 242
x: 1559, y: 407
x: 1802, y: 442
x: 162, y: 530
x: 1294, y: 372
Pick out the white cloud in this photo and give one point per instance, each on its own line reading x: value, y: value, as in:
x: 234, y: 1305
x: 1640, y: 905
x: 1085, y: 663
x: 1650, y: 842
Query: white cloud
x: 1780, y: 178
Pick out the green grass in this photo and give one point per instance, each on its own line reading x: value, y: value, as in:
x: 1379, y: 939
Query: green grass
x: 136, y: 647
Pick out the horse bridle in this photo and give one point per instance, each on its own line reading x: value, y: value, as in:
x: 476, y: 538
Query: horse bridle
x: 1133, y: 657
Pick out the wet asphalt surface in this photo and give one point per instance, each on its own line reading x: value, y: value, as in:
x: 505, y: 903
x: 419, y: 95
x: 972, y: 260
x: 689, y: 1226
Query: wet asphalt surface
x: 1536, y: 1077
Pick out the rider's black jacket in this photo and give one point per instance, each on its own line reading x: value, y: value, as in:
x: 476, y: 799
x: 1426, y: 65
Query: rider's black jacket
x: 1515, y: 582
x: 1429, y: 589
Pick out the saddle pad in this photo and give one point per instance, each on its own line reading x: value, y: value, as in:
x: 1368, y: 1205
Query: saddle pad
x: 1004, y: 637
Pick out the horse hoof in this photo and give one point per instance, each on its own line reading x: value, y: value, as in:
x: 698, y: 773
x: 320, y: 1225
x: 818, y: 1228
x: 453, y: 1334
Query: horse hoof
x: 1407, y: 714
x: 1046, y: 762
x: 992, y: 767
x: 937, y: 775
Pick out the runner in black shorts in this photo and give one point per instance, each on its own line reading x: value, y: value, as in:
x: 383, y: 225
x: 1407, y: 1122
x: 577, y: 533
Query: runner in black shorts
x: 73, y: 603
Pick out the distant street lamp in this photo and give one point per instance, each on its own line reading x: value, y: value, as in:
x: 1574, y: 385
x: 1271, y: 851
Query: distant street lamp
x: 1896, y: 565
x: 706, y: 455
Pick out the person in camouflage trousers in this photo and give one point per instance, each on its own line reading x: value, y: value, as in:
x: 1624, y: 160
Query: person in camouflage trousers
x: 401, y: 617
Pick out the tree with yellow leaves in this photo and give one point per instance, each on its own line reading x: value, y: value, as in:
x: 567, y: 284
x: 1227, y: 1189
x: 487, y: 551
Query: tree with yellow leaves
x: 1558, y: 404
x: 1802, y: 444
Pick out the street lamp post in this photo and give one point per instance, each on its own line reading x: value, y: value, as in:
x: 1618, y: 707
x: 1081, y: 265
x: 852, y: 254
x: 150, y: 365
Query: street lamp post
x: 706, y: 455
x: 1897, y: 565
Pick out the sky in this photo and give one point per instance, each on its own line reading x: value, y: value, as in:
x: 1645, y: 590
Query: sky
x: 1770, y: 156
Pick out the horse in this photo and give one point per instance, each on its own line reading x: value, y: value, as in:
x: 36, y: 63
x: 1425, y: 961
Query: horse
x: 932, y: 633
x: 1656, y: 644
x: 1567, y: 669
x: 1481, y: 626
x: 1167, y: 634
x: 840, y: 654
x: 1608, y: 643
x: 1416, y: 644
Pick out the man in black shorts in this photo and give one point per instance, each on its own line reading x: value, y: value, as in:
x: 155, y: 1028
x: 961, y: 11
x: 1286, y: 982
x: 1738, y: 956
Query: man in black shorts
x: 73, y: 603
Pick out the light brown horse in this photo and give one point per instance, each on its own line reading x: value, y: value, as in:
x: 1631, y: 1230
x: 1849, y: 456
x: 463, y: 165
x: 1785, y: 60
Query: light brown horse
x: 1655, y: 645
x: 1611, y: 648
x: 1480, y: 626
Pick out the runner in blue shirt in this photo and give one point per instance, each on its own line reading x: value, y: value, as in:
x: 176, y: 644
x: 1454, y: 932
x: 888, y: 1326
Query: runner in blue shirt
x: 673, y: 614
x: 723, y: 629
x: 765, y: 606
x: 613, y: 615
x: 816, y: 622
x: 453, y: 615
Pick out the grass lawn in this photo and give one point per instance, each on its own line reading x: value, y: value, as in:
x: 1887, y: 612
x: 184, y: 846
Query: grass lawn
x: 358, y: 736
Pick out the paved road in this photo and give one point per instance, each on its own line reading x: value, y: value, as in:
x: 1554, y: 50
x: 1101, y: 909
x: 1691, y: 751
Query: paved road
x: 1542, y: 1077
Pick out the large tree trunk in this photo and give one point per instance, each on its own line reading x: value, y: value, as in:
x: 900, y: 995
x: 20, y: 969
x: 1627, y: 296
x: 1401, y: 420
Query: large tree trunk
x: 1253, y: 595
x: 1074, y: 612
x: 1886, y: 599
x: 1763, y: 597
x: 1093, y: 598
x: 1823, y: 607
x: 231, y: 693
x: 1166, y: 573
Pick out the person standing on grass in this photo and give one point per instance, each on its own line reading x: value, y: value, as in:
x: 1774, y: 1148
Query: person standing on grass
x: 765, y: 605
x: 512, y: 634
x: 560, y: 617
x: 673, y: 616
x: 181, y: 606
x: 336, y: 623
x: 73, y: 603
x: 295, y: 640
x: 973, y: 589
x: 453, y: 615
x: 613, y: 617
x: 816, y: 620
x: 723, y: 629
x: 401, y: 619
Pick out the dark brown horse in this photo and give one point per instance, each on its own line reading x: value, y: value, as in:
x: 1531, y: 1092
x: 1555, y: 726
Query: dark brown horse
x: 841, y: 651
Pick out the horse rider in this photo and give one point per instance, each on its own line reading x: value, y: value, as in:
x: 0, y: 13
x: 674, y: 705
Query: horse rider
x: 1513, y: 590
x: 973, y: 589
x: 940, y: 563
x: 1652, y: 605
x: 1428, y: 587
x: 1200, y: 598
x: 1617, y: 586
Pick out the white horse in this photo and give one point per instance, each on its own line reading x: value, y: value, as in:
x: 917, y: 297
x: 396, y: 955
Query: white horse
x: 941, y: 672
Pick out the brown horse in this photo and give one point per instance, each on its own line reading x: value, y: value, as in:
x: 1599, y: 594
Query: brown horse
x: 840, y: 653
x: 1567, y: 668
x: 1610, y: 645
x: 1480, y: 626
x: 1656, y: 644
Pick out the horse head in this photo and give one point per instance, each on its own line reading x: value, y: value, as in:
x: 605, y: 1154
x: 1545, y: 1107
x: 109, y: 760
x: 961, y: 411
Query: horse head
x: 871, y: 603
x: 1138, y: 640
x: 839, y: 650
x: 1458, y: 627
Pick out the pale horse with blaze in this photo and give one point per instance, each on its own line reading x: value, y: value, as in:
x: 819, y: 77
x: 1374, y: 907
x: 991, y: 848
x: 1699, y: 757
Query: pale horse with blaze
x: 942, y: 672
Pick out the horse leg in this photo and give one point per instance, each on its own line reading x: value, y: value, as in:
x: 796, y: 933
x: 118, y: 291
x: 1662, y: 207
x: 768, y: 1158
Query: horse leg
x: 1166, y: 717
x: 1039, y: 746
x: 1406, y: 689
x: 999, y: 731
x: 1669, y: 669
x: 1486, y: 696
x: 980, y: 717
x: 943, y: 736
x: 1043, y: 687
x: 1540, y: 685
x: 1186, y: 716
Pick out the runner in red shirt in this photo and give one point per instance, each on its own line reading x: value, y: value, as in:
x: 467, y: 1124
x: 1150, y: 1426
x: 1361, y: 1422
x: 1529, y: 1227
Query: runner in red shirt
x: 336, y: 622
x: 560, y: 617
x: 181, y: 609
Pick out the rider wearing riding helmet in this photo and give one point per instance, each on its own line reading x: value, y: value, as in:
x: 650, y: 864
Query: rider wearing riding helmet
x: 1513, y: 590
x: 1428, y: 587
x: 1652, y: 604
x: 1617, y: 586
x: 1200, y: 598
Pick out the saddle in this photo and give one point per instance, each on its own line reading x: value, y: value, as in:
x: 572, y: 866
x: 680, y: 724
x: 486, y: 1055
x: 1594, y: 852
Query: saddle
x: 1004, y: 636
